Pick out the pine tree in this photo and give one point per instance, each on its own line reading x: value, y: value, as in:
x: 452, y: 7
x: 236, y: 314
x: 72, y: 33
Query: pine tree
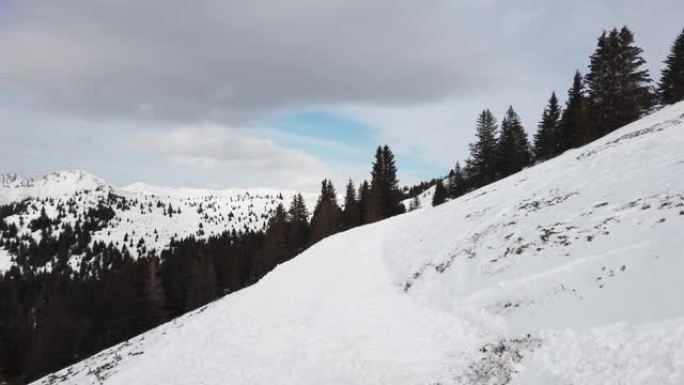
x: 513, y: 147
x: 351, y: 213
x: 364, y: 203
x: 544, y: 139
x: 440, y: 196
x: 483, y: 153
x: 456, y: 182
x: 298, y: 218
x: 393, y: 204
x: 671, y: 86
x: 384, y: 187
x: 275, y: 249
x: 327, y: 216
x: 577, y: 126
x: 619, y: 89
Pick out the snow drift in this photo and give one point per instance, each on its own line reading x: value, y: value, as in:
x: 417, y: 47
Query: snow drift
x: 569, y: 272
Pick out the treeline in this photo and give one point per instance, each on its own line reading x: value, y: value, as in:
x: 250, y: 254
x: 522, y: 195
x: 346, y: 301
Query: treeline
x: 616, y: 91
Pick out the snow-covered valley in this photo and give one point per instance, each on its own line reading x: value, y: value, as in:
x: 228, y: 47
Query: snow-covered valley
x: 569, y: 272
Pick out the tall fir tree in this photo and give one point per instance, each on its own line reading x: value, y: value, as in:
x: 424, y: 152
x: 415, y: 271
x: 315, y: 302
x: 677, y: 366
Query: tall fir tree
x: 671, y: 85
x: 619, y: 89
x: 441, y: 194
x: 545, y: 137
x: 456, y: 182
x: 351, y: 212
x: 577, y: 125
x: 275, y: 249
x: 481, y: 166
x: 364, y: 203
x: 384, y: 187
x: 327, y: 216
x: 298, y: 219
x: 513, y: 147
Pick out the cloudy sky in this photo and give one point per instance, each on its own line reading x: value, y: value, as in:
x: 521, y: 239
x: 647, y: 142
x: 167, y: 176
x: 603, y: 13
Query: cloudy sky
x: 271, y: 93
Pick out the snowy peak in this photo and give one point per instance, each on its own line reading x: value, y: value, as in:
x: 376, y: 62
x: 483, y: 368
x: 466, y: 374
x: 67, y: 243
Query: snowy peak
x: 13, y: 180
x: 76, y: 178
x: 52, y: 185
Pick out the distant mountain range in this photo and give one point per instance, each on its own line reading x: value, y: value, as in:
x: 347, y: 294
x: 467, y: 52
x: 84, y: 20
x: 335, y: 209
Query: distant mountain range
x: 151, y: 213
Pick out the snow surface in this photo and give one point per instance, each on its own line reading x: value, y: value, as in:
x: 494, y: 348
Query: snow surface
x: 569, y: 272
x: 5, y: 260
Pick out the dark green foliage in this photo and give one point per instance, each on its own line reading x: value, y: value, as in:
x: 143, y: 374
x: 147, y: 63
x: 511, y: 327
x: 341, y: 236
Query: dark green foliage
x: 577, y: 125
x: 619, y: 89
x: 364, y: 203
x: 545, y: 138
x: 351, y: 213
x: 384, y: 187
x: 298, y: 220
x: 43, y: 222
x: 513, y: 147
x: 481, y: 166
x: 327, y: 216
x: 457, y: 183
x: 671, y: 85
x: 441, y: 194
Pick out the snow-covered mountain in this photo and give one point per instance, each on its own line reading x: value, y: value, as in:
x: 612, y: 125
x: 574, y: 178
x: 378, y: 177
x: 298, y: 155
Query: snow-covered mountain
x: 11, y: 179
x: 154, y: 214
x: 569, y: 272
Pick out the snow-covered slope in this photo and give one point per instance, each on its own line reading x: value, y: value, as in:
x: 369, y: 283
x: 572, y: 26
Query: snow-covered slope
x: 569, y: 272
x: 424, y: 199
x: 141, y: 211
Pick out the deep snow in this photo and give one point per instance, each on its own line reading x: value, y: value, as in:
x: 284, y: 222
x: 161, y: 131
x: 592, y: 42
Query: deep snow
x: 569, y: 272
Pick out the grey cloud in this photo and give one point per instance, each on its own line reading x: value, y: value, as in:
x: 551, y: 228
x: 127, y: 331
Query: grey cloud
x: 220, y: 60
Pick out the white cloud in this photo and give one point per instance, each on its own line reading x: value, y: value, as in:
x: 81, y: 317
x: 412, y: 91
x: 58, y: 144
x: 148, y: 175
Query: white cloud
x: 232, y: 154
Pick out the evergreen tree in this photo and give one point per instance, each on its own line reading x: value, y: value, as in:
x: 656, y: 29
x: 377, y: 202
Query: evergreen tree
x: 275, y: 249
x: 483, y: 153
x: 384, y: 188
x: 577, y: 125
x: 298, y: 218
x: 364, y: 203
x: 513, y: 147
x: 440, y: 196
x: 619, y: 89
x: 671, y: 86
x: 456, y: 182
x: 351, y: 213
x: 544, y: 139
x: 393, y: 204
x: 327, y: 216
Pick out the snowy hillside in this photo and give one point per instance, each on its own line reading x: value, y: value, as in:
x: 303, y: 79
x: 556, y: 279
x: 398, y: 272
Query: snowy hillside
x: 153, y: 214
x: 424, y: 199
x: 569, y: 272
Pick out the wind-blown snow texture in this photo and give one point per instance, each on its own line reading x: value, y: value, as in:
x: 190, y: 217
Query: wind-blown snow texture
x: 569, y: 272
x: 140, y: 210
